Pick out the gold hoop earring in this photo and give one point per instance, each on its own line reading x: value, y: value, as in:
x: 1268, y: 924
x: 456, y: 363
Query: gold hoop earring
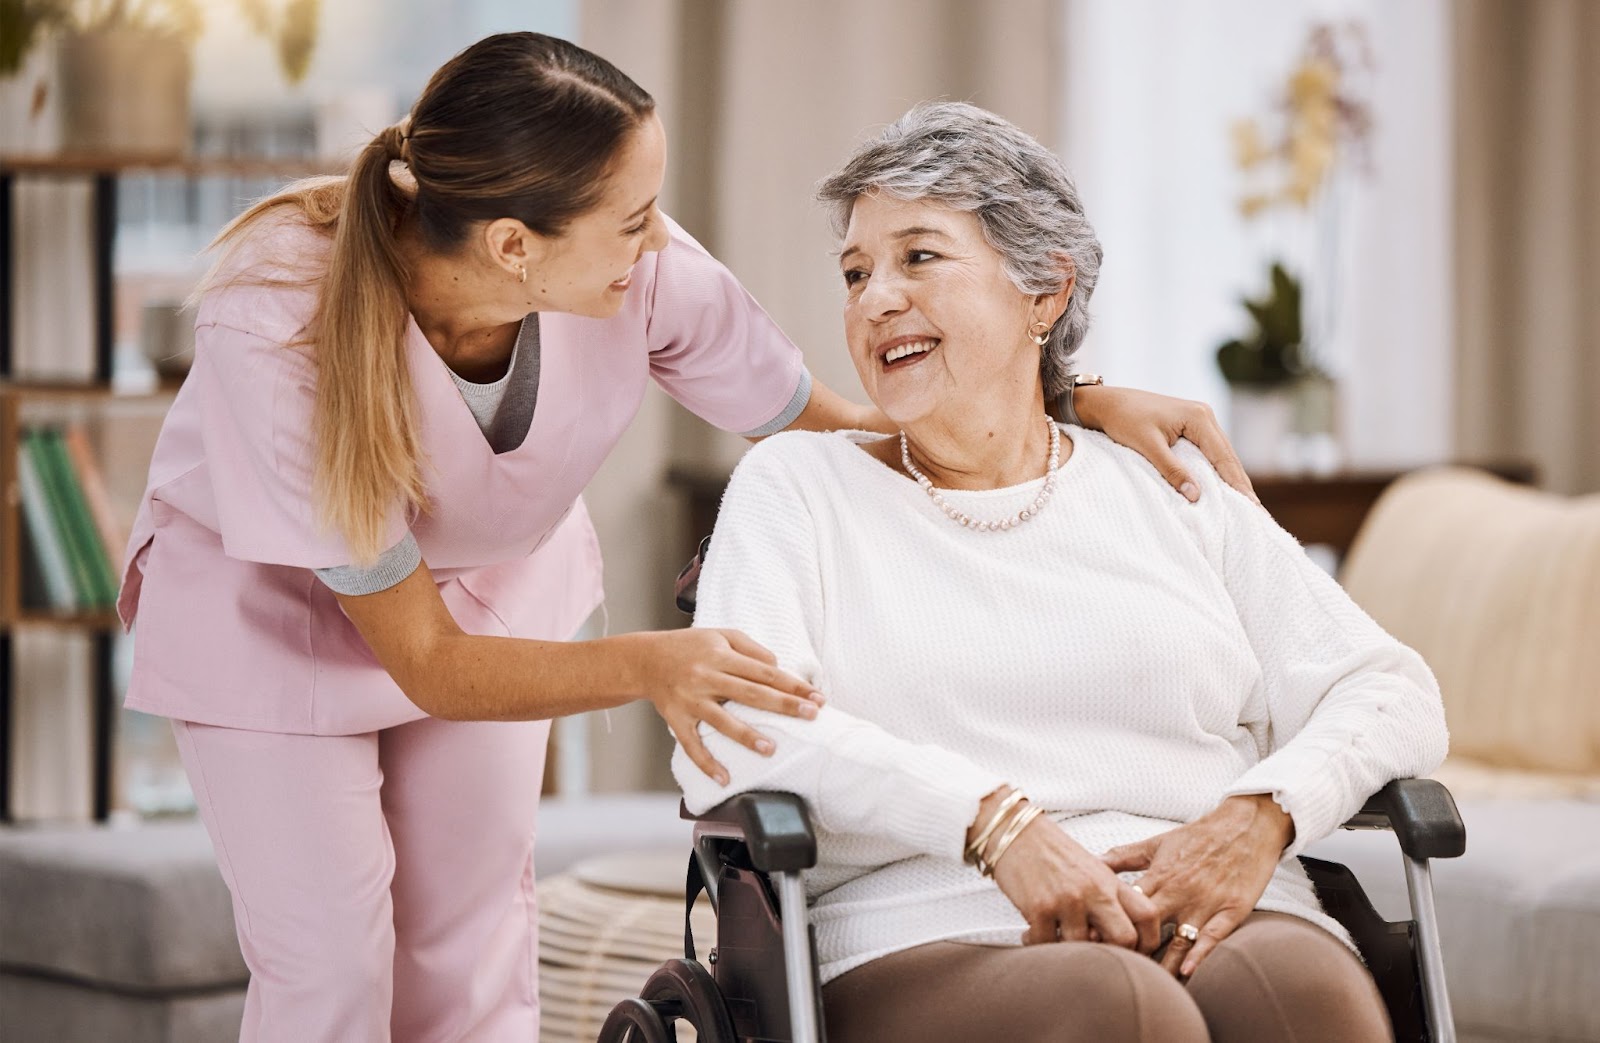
x: 1039, y: 332
x: 522, y: 273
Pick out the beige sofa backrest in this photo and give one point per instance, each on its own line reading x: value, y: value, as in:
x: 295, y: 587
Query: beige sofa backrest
x: 1498, y: 586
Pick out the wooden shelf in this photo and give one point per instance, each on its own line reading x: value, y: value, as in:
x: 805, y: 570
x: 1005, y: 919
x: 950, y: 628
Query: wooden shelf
x: 43, y: 617
x: 68, y: 392
x: 70, y: 164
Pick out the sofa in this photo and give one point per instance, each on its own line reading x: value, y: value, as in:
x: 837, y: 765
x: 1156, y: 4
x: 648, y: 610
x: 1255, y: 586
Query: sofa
x: 1498, y: 586
x: 126, y: 934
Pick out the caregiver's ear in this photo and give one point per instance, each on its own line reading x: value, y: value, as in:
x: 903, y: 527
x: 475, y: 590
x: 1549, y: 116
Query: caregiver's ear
x: 511, y: 244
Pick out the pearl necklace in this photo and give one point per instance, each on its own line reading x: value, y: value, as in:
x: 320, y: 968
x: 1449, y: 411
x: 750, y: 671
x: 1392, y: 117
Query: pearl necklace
x: 966, y: 520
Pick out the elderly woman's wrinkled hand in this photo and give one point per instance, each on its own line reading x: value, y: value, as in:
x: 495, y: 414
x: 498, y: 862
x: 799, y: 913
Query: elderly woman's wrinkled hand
x: 1151, y: 425
x: 1209, y: 874
x: 1068, y: 895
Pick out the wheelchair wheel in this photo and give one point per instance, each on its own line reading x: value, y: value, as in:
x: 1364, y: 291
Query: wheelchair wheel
x: 685, y: 990
x: 681, y: 990
x: 635, y: 1021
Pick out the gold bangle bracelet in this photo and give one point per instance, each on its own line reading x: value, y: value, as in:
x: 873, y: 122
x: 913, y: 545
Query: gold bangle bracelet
x: 975, y: 849
x: 1022, y: 822
x: 1005, y: 822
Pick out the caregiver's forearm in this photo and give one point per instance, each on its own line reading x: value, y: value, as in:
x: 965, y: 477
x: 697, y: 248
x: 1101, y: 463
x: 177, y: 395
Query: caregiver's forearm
x: 830, y: 411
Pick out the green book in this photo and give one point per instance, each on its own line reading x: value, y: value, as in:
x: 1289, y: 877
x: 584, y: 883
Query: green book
x: 43, y: 538
x: 55, y: 499
x: 102, y: 580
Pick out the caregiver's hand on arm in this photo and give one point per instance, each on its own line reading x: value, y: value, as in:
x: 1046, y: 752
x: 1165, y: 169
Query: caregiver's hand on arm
x: 687, y: 674
x: 1211, y: 872
x: 1152, y: 424
x: 700, y: 669
x: 1065, y: 892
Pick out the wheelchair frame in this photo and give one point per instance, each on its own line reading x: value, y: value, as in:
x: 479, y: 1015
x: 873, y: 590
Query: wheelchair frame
x: 759, y: 983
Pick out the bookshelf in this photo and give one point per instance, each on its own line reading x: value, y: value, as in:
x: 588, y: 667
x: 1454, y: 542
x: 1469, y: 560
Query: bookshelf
x: 21, y: 399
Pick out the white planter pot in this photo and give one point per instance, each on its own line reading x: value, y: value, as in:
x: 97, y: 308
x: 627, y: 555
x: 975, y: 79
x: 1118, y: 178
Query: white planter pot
x: 1260, y: 424
x: 124, y: 91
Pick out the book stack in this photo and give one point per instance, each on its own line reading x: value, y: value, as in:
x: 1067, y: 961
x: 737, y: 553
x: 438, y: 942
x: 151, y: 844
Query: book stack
x: 71, y: 536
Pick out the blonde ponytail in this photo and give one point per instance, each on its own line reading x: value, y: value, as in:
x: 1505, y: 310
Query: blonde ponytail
x: 368, y: 453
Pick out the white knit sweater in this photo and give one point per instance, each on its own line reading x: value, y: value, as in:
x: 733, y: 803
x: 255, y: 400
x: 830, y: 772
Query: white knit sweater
x: 1127, y: 658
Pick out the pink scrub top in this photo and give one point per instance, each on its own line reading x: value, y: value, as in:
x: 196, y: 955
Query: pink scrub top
x: 235, y: 629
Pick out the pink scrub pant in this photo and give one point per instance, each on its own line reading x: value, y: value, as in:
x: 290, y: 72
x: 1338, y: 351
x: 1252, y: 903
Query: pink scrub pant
x: 382, y: 883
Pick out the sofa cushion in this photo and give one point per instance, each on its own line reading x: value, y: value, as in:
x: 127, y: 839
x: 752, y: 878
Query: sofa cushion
x: 44, y: 1010
x: 1495, y: 584
x: 145, y: 909
x: 1518, y: 914
x: 135, y: 909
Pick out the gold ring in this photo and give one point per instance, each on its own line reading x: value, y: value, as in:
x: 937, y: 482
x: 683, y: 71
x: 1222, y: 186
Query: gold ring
x: 1188, y: 932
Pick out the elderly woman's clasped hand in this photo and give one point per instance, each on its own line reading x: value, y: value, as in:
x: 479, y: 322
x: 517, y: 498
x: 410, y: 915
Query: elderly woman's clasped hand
x: 1206, y: 877
x: 1066, y: 893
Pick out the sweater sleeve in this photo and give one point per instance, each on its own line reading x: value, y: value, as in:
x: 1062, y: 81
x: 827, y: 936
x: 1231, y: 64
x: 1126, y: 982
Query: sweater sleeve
x: 764, y: 576
x: 1348, y: 707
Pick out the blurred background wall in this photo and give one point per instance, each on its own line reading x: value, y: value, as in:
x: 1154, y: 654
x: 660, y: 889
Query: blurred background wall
x: 1451, y: 272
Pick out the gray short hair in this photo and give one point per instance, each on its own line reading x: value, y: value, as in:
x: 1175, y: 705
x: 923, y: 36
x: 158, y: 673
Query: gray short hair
x: 972, y: 160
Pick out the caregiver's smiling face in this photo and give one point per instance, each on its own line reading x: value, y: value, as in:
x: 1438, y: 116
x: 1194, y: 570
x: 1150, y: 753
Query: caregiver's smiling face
x: 932, y: 320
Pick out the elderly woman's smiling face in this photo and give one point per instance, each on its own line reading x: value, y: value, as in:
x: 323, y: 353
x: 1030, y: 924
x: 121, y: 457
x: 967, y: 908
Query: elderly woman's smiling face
x: 933, y: 322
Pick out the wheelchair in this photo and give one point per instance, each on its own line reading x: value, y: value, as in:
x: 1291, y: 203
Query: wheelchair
x: 758, y: 983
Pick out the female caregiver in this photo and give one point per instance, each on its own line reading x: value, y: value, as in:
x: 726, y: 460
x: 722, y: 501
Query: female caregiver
x: 362, y: 547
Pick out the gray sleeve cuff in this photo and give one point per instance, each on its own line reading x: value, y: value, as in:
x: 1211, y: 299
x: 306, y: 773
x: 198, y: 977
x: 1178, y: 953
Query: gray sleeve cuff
x: 796, y: 406
x: 392, y: 566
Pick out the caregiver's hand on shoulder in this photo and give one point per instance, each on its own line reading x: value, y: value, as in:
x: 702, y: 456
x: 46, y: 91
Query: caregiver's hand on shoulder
x: 1151, y: 425
x: 689, y: 674
x: 1209, y: 873
x: 1067, y: 894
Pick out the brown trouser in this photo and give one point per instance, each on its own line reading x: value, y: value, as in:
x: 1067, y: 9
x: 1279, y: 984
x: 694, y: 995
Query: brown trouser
x: 1276, y: 978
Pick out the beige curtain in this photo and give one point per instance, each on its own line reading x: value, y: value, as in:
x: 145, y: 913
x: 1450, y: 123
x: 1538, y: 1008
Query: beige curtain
x: 1527, y: 217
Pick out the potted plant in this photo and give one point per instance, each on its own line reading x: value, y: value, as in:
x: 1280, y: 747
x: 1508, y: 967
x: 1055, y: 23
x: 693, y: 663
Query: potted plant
x: 123, y: 65
x: 1281, y: 377
x: 1261, y: 369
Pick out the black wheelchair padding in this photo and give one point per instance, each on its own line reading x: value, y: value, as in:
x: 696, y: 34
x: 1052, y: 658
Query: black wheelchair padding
x: 1422, y: 814
x: 1387, y: 948
x: 774, y: 827
x: 688, y: 582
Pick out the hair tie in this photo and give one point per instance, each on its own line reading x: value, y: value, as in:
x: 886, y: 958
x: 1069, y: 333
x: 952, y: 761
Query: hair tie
x: 396, y: 142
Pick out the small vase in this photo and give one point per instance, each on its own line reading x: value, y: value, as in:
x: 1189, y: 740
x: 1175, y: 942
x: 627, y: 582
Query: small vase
x: 124, y: 91
x: 1316, y: 424
x: 1260, y: 422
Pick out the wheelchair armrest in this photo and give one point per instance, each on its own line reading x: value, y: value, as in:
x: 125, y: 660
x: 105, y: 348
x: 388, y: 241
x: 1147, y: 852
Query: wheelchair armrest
x: 1422, y: 814
x: 775, y: 827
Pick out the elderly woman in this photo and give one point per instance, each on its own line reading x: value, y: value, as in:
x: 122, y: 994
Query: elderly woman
x: 1065, y: 708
